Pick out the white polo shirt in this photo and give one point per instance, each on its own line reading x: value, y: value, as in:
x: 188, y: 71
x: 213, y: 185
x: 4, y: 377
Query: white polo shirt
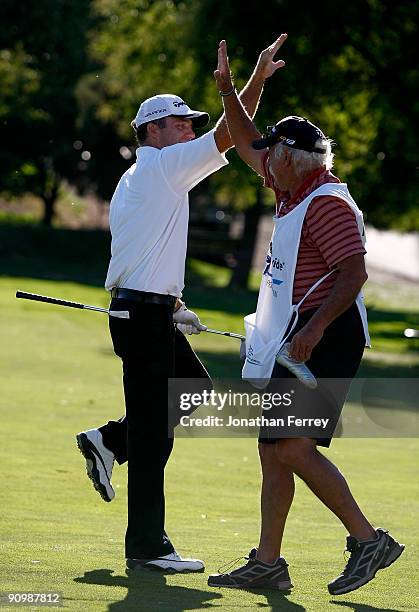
x: 149, y: 215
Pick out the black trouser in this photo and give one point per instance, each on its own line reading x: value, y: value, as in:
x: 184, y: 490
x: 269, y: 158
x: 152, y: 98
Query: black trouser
x: 334, y: 362
x: 187, y: 366
x: 152, y: 351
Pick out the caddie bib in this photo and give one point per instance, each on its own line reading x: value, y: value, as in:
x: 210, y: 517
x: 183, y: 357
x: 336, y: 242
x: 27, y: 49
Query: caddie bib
x: 266, y: 328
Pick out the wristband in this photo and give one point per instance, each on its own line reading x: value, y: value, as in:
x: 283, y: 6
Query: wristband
x: 228, y: 93
x: 178, y: 305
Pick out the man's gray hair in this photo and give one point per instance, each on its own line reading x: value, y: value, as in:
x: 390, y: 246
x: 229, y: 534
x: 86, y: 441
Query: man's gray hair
x: 305, y: 162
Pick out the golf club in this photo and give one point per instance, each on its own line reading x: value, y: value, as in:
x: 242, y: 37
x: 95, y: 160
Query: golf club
x: 231, y: 335
x: 120, y: 314
x: 300, y: 370
x: 224, y: 333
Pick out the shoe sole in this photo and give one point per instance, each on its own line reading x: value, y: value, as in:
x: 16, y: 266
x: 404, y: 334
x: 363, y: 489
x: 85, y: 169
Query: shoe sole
x: 282, y: 586
x: 389, y: 561
x: 393, y: 556
x: 89, y: 452
x: 162, y: 570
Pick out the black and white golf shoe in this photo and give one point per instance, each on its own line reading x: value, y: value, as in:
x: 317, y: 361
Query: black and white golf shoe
x: 172, y: 563
x: 366, y: 558
x: 99, y: 462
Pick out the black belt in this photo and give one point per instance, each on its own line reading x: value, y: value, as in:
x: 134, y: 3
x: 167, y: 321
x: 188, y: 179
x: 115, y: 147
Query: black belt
x: 143, y: 296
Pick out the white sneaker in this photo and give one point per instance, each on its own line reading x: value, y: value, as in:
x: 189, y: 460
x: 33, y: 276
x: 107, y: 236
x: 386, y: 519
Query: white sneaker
x: 298, y: 368
x: 99, y: 462
x: 172, y: 563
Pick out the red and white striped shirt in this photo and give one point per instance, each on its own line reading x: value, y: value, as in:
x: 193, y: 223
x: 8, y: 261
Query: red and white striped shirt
x: 329, y: 235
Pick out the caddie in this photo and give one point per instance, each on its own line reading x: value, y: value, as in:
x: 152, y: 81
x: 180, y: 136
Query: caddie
x: 149, y: 224
x: 310, y: 296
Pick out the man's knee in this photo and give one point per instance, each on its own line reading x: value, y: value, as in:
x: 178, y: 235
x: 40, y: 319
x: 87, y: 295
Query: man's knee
x: 269, y: 460
x: 295, y: 451
x: 267, y: 453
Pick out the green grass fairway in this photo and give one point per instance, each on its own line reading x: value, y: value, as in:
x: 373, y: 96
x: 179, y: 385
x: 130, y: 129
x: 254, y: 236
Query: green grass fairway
x: 59, y: 376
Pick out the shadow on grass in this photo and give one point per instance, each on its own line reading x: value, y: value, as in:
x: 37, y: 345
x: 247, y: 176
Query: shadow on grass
x: 222, y: 365
x: 276, y: 600
x: 148, y: 590
x: 382, y: 369
x: 356, y: 607
x: 33, y: 251
x: 376, y: 315
x: 82, y: 256
x: 387, y: 327
x: 241, y: 302
x: 229, y: 365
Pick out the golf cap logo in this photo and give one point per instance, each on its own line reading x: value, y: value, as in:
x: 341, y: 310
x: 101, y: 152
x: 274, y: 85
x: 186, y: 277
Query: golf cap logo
x: 178, y: 104
x: 288, y: 141
x: 156, y: 112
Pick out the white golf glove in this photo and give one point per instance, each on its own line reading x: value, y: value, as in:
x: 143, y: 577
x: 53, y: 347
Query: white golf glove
x: 187, y: 321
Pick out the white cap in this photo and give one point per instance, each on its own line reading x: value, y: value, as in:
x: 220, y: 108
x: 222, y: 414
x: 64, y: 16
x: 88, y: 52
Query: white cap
x: 164, y: 105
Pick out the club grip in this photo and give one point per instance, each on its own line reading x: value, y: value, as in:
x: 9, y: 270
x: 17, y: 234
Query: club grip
x: 49, y: 300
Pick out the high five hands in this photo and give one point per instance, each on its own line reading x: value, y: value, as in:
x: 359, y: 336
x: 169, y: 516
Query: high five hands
x: 265, y: 67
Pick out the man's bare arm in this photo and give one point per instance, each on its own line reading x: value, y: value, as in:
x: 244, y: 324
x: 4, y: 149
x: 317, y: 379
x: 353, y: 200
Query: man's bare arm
x: 248, y: 100
x: 351, y: 275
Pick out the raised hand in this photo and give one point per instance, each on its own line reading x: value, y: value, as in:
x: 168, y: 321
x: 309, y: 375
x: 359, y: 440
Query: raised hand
x: 223, y: 75
x: 265, y: 65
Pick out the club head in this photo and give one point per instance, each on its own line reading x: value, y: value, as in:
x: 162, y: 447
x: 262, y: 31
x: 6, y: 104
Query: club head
x: 119, y: 314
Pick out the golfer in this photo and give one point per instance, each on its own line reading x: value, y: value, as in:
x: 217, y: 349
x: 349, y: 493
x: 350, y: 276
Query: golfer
x: 315, y: 266
x: 149, y: 224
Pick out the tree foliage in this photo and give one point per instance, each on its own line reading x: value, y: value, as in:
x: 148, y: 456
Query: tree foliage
x: 351, y: 68
x: 70, y: 69
x: 42, y: 55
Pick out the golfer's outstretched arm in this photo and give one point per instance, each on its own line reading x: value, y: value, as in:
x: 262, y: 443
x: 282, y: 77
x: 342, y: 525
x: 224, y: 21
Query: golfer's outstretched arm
x: 239, y: 110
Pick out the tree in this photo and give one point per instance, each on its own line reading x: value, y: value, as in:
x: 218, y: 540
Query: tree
x: 351, y: 68
x: 42, y: 55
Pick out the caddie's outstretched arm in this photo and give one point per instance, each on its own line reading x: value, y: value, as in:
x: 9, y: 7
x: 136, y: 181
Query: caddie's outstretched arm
x: 239, y: 110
